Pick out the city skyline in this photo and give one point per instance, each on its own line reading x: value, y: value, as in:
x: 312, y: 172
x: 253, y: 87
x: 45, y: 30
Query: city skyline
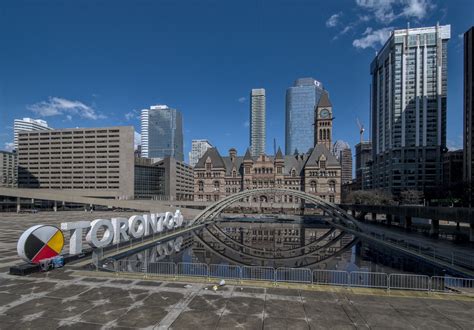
x: 69, y: 103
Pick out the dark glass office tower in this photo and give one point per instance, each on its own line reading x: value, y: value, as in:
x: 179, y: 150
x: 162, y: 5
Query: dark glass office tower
x: 301, y: 100
x: 162, y: 132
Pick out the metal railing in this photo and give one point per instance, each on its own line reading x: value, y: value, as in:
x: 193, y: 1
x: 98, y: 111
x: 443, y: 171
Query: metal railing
x: 450, y: 284
x: 162, y: 268
x: 409, y: 282
x: 298, y: 275
x: 225, y: 271
x: 192, y: 269
x: 369, y: 280
x: 331, y: 277
x: 258, y: 273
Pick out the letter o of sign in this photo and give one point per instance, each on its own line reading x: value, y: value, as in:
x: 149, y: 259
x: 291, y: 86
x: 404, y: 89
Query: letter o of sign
x: 136, y: 226
x: 178, y: 218
x: 92, y: 238
x: 169, y: 220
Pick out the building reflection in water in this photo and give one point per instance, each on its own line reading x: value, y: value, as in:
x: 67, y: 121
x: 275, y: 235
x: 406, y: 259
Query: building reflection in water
x: 270, y: 243
x: 258, y: 243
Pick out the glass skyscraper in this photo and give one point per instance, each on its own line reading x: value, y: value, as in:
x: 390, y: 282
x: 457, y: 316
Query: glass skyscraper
x: 301, y: 100
x: 162, y: 132
x: 409, y: 88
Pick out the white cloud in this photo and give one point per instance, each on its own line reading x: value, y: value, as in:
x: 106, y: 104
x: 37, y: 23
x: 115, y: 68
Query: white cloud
x: 385, y: 11
x: 382, y: 9
x: 137, y: 140
x: 333, y: 20
x: 343, y: 32
x: 56, y: 106
x: 417, y: 8
x: 9, y: 146
x: 246, y: 123
x: 373, y: 38
x: 130, y: 115
x: 242, y: 99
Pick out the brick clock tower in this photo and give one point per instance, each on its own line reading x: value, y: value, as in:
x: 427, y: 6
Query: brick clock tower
x: 323, y: 122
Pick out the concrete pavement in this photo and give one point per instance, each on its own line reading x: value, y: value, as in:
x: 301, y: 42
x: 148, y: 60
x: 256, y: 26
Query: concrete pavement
x: 69, y: 298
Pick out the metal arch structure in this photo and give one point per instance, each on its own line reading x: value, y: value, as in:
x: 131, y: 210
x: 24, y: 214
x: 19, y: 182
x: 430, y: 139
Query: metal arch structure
x: 335, y: 212
x: 338, y: 218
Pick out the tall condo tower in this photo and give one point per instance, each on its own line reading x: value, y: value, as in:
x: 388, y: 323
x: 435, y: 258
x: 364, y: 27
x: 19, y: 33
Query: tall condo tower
x: 198, y: 149
x: 26, y: 125
x: 345, y: 159
x: 301, y: 99
x: 363, y: 160
x: 257, y: 122
x: 162, y: 132
x: 409, y: 85
x: 468, y: 106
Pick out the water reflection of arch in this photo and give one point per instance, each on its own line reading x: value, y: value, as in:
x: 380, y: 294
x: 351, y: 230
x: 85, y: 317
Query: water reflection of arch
x: 323, y: 258
x: 253, y: 256
x: 336, y: 214
x: 318, y: 240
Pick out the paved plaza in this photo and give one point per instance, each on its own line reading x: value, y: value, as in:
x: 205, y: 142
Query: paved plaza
x: 72, y: 298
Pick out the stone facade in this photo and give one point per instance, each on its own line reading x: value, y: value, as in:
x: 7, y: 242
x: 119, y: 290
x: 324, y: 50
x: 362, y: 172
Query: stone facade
x: 317, y: 172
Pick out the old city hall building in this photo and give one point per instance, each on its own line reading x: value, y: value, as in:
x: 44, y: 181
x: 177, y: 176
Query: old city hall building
x: 317, y: 172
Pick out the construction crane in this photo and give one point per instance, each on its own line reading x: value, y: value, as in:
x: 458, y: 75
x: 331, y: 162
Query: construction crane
x: 361, y: 130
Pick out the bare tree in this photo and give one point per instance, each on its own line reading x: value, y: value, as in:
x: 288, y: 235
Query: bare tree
x: 370, y: 197
x: 411, y: 197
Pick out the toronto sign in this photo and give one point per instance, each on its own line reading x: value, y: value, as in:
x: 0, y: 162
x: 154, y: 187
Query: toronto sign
x: 45, y: 241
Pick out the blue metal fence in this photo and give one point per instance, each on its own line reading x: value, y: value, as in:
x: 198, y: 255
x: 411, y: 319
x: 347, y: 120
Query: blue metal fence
x: 299, y: 275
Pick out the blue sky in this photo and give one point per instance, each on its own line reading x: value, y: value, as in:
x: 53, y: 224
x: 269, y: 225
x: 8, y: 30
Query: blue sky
x: 98, y: 63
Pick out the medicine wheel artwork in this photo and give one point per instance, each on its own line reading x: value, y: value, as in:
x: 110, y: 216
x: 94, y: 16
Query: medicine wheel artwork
x: 40, y: 242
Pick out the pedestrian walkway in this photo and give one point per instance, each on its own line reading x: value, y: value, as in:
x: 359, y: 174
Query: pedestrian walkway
x: 437, y: 248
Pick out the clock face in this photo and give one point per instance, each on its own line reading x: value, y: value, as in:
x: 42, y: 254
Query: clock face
x: 324, y: 113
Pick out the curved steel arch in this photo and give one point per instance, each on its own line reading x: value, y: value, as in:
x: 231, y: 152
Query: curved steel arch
x: 320, y: 258
x: 211, y: 212
x: 324, y: 246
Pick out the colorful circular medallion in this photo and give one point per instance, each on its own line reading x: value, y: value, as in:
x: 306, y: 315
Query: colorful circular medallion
x: 40, y: 242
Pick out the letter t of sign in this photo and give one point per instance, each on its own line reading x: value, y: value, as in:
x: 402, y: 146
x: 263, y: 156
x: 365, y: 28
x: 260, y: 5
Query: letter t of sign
x: 75, y: 242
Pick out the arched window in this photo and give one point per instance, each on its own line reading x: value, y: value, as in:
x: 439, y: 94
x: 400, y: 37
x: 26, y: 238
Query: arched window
x: 293, y: 172
x: 234, y: 173
x: 313, y: 187
x: 201, y: 186
x: 216, y: 185
x: 332, y: 186
x: 320, y: 134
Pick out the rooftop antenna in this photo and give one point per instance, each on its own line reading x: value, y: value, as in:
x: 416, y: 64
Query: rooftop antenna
x: 361, y: 130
